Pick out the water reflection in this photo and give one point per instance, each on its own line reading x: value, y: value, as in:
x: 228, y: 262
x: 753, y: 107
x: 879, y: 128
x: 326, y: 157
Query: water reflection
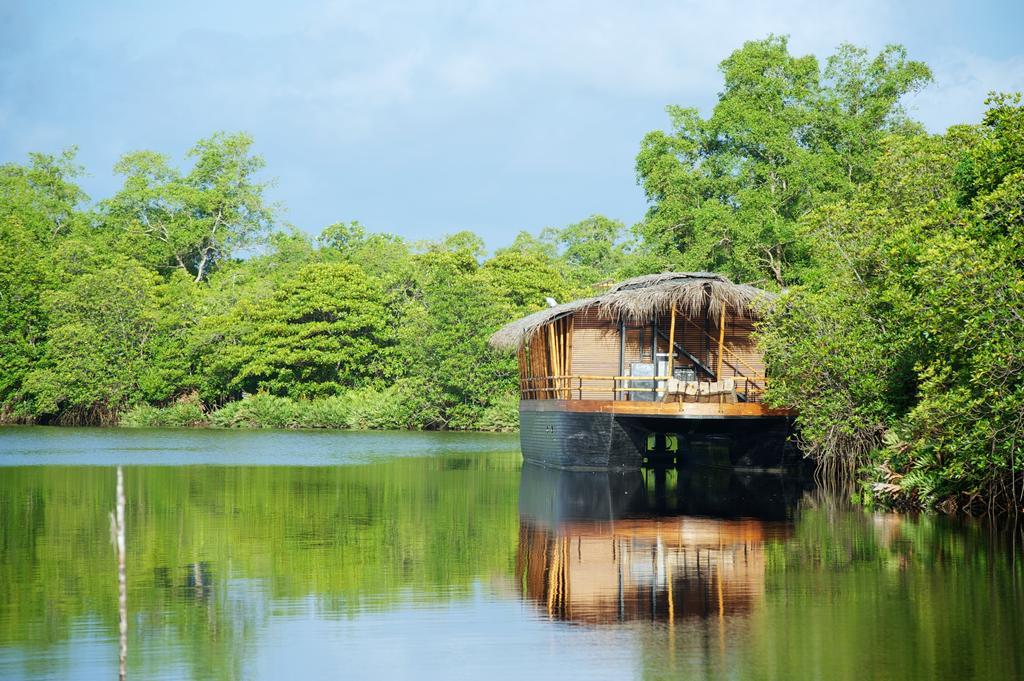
x: 609, y: 547
x: 198, y: 581
x: 117, y: 530
x: 219, y: 557
x: 426, y: 567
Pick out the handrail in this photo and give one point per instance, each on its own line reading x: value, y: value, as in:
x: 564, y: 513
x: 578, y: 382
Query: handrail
x: 562, y: 387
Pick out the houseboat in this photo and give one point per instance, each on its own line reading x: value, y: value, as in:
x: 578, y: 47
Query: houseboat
x: 658, y: 368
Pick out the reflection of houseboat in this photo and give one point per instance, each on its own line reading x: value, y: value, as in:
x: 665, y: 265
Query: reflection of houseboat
x: 662, y: 354
x: 593, y: 549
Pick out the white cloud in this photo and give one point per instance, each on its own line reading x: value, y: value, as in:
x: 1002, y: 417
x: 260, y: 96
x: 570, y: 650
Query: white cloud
x: 962, y: 82
x: 621, y: 49
x: 476, y: 112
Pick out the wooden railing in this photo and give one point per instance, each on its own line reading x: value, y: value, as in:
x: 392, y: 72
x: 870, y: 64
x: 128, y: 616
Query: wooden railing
x: 748, y: 388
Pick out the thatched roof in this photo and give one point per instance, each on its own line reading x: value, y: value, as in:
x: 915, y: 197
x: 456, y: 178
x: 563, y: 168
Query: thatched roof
x: 636, y: 300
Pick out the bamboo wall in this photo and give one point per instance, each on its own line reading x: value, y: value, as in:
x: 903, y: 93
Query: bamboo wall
x: 546, y: 361
x: 595, y: 353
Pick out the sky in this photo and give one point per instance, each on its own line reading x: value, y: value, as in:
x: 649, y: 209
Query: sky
x: 426, y: 118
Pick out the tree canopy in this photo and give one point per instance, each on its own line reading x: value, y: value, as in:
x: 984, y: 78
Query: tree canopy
x: 786, y: 136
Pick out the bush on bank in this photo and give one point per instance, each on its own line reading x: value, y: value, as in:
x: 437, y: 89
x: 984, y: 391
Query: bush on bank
x: 387, y: 409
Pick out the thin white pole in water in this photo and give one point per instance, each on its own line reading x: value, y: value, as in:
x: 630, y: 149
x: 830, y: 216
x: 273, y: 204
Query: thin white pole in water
x: 122, y: 578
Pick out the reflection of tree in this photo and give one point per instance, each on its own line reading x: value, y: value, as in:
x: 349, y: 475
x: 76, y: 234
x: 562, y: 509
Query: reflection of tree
x: 750, y: 577
x: 213, y: 548
x: 852, y: 596
x: 117, y: 522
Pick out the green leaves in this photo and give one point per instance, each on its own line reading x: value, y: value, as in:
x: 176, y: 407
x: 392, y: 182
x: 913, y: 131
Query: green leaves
x: 911, y: 322
x: 100, y: 340
x: 191, y: 221
x: 323, y: 329
x: 785, y: 137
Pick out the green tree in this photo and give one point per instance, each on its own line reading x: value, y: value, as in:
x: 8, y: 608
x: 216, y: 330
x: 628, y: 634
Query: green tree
x: 192, y: 221
x: 785, y: 137
x: 593, y: 250
x: 451, y: 307
x: 903, y: 346
x: 103, y: 317
x: 322, y: 330
x: 526, y: 280
x: 39, y: 205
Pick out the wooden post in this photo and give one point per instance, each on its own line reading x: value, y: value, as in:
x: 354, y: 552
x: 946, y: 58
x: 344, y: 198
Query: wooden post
x: 721, y: 344
x: 707, y: 336
x: 524, y: 372
x: 553, y: 354
x: 654, y: 355
x: 671, y: 341
x: 622, y: 357
x: 563, y: 344
x: 569, y: 326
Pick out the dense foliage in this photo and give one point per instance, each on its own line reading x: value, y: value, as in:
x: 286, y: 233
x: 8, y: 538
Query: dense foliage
x: 786, y: 136
x: 900, y: 255
x: 904, y: 346
x: 139, y: 309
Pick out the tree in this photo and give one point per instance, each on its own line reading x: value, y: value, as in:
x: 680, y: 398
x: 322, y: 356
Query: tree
x: 103, y: 315
x: 525, y: 280
x: 39, y: 205
x: 785, y: 137
x: 43, y: 194
x: 444, y: 338
x: 196, y: 220
x: 322, y: 330
x: 593, y: 249
x: 903, y: 346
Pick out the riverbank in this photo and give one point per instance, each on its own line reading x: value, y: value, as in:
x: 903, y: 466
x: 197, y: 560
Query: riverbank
x: 356, y: 410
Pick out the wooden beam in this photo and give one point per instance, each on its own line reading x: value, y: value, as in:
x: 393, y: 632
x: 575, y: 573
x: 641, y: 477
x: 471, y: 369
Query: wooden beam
x: 622, y: 349
x: 721, y: 343
x: 696, y: 362
x: 564, y: 346
x: 570, y: 324
x: 662, y: 409
x: 553, y: 356
x: 523, y: 369
x: 671, y: 341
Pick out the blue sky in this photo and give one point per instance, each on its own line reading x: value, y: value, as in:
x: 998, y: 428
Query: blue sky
x: 427, y: 118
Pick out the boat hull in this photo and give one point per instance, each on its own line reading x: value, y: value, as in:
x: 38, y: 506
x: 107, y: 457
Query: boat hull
x: 577, y: 435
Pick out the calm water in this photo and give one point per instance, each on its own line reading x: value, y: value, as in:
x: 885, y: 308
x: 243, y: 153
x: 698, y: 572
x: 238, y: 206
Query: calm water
x: 394, y: 555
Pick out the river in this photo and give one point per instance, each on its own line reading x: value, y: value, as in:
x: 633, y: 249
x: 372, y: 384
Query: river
x: 308, y: 555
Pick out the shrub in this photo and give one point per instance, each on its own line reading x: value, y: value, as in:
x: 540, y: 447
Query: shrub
x: 327, y: 412
x: 501, y: 415
x: 257, y: 411
x: 185, y: 413
x: 405, y: 405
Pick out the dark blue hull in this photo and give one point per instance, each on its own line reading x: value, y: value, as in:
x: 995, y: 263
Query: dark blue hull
x: 581, y: 440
